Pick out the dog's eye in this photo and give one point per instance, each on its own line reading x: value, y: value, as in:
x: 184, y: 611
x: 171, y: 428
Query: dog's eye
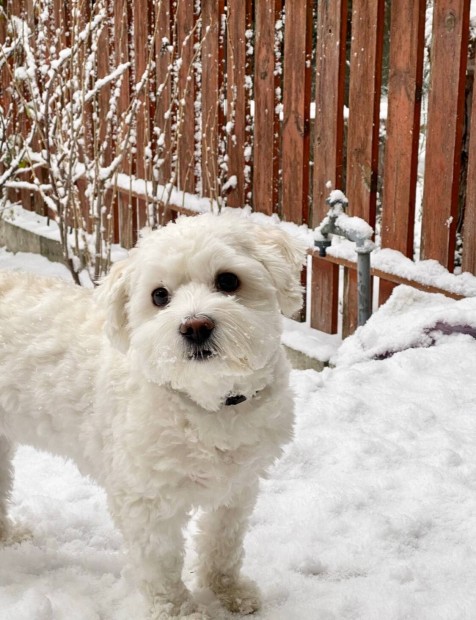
x: 227, y: 282
x: 160, y: 297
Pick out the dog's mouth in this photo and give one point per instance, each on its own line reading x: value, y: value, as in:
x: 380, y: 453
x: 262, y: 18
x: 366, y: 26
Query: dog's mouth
x: 200, y: 355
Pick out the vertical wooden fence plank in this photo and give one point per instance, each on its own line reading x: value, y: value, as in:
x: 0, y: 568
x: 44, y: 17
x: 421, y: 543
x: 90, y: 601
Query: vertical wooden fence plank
x: 186, y: 95
x: 329, y: 117
x: 296, y: 111
x: 164, y: 39
x: 469, y: 225
x: 5, y: 82
x: 295, y: 145
x: 140, y: 10
x: 324, y: 295
x: 266, y: 118
x: 407, y: 42
x: 112, y: 220
x: 163, y: 59
x: 11, y: 117
x: 236, y: 95
x: 104, y: 54
x: 103, y: 69
x: 363, y: 127
x: 60, y: 22
x: 211, y: 71
x: 328, y: 149
x: 364, y: 107
x: 20, y: 121
x: 21, y: 9
x: 444, y: 129
x: 403, y: 123
x: 77, y: 16
x: 121, y: 55
x: 36, y: 200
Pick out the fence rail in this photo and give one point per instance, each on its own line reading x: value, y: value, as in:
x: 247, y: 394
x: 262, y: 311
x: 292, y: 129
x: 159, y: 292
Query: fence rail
x: 270, y: 104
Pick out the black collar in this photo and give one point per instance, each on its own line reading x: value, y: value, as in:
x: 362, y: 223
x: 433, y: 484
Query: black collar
x: 235, y: 399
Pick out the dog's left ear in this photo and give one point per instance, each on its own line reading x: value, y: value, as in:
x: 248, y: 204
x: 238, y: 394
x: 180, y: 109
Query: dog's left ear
x: 283, y: 256
x: 113, y: 295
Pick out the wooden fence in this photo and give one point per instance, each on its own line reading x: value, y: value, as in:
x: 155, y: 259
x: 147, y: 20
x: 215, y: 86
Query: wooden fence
x: 275, y: 101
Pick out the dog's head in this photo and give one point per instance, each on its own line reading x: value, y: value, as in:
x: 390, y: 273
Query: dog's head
x: 197, y: 303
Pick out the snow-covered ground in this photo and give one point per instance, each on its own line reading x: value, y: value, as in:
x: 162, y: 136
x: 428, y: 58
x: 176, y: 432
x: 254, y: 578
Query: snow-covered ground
x: 370, y: 515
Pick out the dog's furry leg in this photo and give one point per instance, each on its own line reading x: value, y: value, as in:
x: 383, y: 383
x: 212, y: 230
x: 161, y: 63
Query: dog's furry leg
x: 6, y: 483
x: 220, y: 548
x: 156, y: 550
x: 9, y: 533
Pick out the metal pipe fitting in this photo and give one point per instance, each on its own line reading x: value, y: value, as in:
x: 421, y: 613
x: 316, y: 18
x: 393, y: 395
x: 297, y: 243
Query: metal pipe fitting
x: 355, y: 229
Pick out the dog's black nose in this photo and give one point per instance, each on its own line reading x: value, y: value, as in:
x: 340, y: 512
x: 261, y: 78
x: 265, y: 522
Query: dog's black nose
x: 197, y: 329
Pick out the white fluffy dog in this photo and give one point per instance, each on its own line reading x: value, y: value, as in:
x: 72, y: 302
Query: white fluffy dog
x: 167, y: 385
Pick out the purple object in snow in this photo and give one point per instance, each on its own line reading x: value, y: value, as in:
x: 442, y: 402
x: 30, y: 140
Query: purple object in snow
x: 445, y: 328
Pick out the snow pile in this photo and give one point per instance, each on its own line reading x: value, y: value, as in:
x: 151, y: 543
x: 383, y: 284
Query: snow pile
x: 370, y: 514
x: 410, y: 318
x: 311, y: 342
x: 34, y: 263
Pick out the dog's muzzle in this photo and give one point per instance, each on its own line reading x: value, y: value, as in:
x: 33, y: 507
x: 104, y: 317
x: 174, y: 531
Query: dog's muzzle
x: 197, y: 331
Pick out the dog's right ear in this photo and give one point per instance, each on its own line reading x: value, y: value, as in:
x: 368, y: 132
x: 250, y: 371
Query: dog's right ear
x: 113, y: 296
x: 283, y: 256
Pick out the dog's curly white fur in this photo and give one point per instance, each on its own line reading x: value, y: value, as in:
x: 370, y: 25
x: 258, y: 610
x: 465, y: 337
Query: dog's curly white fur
x: 164, y: 412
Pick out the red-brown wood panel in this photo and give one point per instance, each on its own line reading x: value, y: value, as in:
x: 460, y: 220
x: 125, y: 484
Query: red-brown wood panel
x: 104, y: 134
x: 212, y: 72
x: 324, y: 295
x: 77, y: 22
x: 37, y: 201
x: 364, y: 107
x: 403, y: 123
x: 5, y: 84
x: 329, y: 117
x: 265, y: 145
x: 26, y: 198
x: 140, y: 9
x: 328, y: 148
x: 363, y: 127
x: 60, y: 21
x: 469, y: 226
x: 392, y: 277
x: 385, y: 290
x: 163, y: 60
x: 103, y: 69
x: 444, y: 129
x: 5, y: 81
x: 121, y: 55
x: 186, y: 97
x: 296, y: 111
x: 5, y: 76
x: 407, y: 42
x: 236, y: 94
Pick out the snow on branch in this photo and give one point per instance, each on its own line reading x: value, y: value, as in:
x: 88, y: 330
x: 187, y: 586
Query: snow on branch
x: 76, y: 138
x: 82, y: 110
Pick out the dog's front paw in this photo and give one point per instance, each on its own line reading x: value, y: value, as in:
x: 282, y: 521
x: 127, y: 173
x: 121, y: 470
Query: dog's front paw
x: 240, y: 596
x: 163, y: 614
x: 188, y: 610
x: 13, y: 533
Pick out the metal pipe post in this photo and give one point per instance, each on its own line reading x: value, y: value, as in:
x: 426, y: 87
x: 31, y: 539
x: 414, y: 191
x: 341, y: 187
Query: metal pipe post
x: 364, y: 286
